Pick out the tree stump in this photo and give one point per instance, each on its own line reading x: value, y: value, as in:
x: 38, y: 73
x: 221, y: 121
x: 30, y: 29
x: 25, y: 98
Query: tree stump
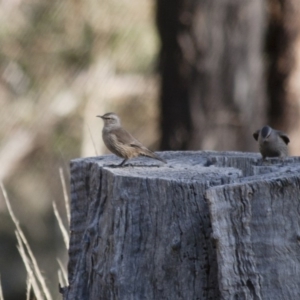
x: 207, y: 225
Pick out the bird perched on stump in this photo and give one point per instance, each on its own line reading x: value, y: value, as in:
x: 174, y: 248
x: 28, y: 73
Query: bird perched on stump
x: 121, y: 142
x: 272, y: 143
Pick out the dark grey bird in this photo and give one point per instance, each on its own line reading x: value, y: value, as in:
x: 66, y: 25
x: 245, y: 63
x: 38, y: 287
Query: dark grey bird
x: 121, y: 142
x: 272, y: 143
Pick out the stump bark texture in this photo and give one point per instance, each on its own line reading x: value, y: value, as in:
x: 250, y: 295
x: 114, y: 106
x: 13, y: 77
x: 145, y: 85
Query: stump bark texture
x: 207, y: 225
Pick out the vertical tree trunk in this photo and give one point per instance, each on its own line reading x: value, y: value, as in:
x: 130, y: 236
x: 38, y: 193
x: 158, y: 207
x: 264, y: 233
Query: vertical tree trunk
x: 283, y: 52
x: 212, y: 89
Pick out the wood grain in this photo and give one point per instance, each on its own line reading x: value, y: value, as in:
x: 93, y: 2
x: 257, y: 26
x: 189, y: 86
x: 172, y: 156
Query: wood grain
x: 207, y: 225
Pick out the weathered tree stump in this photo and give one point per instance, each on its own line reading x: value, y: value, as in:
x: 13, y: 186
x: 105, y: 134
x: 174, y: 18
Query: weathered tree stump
x: 207, y: 225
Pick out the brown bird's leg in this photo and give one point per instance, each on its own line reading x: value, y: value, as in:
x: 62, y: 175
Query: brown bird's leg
x: 122, y: 163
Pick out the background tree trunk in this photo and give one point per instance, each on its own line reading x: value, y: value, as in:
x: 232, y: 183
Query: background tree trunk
x: 283, y: 70
x: 211, y: 62
x: 207, y: 225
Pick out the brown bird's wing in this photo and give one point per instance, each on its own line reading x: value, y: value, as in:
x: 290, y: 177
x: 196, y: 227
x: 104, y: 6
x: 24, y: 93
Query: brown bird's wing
x: 124, y: 137
x: 284, y: 137
x: 256, y: 134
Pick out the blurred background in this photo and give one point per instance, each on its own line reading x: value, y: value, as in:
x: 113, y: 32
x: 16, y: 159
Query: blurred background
x: 182, y: 74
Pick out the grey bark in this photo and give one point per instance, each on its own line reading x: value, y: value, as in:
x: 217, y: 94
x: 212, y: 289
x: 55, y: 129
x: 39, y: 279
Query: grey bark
x: 207, y: 225
x: 283, y: 68
x: 282, y: 49
x: 211, y: 66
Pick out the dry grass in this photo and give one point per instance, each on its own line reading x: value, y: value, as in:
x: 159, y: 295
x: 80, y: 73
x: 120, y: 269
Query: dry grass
x: 28, y: 288
x: 93, y: 141
x: 65, y: 192
x: 62, y: 274
x: 1, y: 293
x: 33, y: 271
x: 61, y: 226
x: 32, y: 278
x: 35, y: 280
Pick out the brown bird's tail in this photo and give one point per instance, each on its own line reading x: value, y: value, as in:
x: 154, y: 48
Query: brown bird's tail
x: 148, y: 153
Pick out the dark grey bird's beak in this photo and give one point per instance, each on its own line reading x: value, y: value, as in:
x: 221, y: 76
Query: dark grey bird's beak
x: 100, y: 117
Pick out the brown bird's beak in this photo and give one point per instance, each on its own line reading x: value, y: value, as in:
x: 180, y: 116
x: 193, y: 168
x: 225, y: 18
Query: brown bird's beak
x: 100, y: 117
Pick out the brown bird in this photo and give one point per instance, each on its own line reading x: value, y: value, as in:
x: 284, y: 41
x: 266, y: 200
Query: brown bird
x: 272, y: 143
x: 121, y: 142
